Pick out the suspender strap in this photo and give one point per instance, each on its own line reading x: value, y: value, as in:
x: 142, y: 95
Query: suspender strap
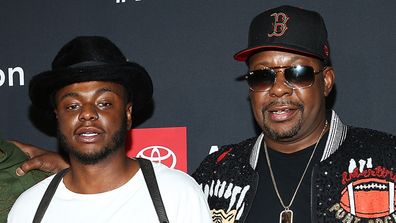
x: 49, y: 193
x: 149, y: 177
x: 151, y: 182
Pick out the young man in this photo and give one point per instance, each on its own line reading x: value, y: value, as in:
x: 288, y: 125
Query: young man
x: 306, y: 166
x: 93, y: 90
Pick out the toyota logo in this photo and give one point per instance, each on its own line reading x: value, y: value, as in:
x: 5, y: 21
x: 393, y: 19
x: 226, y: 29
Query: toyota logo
x: 159, y: 154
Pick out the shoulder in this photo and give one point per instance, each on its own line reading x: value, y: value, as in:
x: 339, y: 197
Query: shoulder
x: 231, y: 151
x: 368, y: 141
x: 241, y: 149
x: 172, y: 178
x: 29, y: 200
x: 36, y: 191
x: 227, y: 158
x: 12, y: 154
x: 363, y: 142
x: 370, y: 136
x: 179, y: 190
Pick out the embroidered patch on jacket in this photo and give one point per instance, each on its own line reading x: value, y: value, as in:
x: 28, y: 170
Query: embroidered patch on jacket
x: 220, y: 216
x: 368, y: 194
x: 224, y: 154
x: 222, y: 194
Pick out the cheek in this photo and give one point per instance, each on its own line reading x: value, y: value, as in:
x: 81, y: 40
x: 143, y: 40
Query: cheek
x: 66, y: 118
x: 111, y: 118
x: 312, y: 99
x: 66, y: 121
x: 257, y: 104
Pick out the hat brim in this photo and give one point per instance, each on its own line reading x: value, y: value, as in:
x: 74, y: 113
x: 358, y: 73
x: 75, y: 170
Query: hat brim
x: 131, y: 75
x: 245, y: 54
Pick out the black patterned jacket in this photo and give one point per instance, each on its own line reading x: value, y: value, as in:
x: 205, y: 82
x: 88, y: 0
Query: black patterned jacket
x: 354, y: 182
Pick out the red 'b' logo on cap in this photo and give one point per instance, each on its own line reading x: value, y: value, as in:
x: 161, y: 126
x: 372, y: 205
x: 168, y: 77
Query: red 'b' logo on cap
x: 279, y: 25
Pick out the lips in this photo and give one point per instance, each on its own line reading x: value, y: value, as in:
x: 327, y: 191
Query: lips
x: 282, y: 110
x: 88, y: 134
x: 281, y: 113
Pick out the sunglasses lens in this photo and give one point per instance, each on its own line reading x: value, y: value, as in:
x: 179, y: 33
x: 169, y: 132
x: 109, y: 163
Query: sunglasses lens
x: 300, y: 76
x: 295, y: 77
x: 261, y: 80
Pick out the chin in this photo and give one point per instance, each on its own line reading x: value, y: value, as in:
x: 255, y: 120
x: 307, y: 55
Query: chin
x: 285, y: 132
x: 91, y: 158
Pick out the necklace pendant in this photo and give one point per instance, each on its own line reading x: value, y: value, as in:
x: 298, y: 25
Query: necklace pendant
x: 286, y: 216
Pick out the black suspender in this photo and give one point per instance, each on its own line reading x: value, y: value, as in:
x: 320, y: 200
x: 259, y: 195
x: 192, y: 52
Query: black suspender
x: 49, y: 193
x: 149, y: 177
x: 151, y: 182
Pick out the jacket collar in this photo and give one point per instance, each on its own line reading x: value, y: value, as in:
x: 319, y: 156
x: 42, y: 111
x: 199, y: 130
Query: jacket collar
x: 337, y: 134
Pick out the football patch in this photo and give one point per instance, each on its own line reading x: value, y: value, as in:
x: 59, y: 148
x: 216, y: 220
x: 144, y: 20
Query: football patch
x: 369, y: 198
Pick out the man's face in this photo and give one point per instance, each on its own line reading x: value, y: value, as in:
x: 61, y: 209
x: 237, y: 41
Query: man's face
x: 93, y: 119
x: 284, y: 113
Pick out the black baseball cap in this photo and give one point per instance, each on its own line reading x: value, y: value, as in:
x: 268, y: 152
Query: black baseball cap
x: 290, y: 29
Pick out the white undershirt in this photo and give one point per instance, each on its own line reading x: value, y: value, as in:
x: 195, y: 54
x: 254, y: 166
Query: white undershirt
x: 183, y: 199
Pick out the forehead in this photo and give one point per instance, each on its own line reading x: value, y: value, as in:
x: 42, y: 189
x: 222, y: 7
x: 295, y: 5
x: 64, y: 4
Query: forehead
x: 280, y: 58
x: 90, y: 88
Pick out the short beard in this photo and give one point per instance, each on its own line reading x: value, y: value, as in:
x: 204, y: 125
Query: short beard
x: 276, y: 135
x: 287, y: 133
x: 117, y: 143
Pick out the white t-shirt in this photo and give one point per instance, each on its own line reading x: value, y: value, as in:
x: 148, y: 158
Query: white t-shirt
x: 183, y: 199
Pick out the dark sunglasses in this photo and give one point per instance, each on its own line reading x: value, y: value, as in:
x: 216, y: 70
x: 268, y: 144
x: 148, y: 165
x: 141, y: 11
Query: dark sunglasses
x: 296, y: 77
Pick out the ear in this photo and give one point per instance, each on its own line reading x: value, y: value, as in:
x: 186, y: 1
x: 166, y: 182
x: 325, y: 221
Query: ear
x: 128, y: 112
x: 56, y: 113
x: 328, y: 80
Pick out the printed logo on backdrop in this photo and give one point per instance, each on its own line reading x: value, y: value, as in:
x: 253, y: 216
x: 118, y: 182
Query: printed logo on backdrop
x: 11, y: 76
x: 163, y: 145
x: 159, y: 154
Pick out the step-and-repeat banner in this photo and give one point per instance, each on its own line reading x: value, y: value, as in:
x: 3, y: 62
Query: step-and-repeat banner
x: 187, y: 47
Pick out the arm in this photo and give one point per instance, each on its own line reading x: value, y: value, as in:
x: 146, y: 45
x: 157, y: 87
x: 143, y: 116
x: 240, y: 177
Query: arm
x: 40, y: 159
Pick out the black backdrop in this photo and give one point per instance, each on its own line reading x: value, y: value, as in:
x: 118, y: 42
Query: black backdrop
x: 187, y: 47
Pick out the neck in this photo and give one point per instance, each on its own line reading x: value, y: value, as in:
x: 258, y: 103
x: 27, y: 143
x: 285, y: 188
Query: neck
x: 106, y: 175
x: 299, y: 143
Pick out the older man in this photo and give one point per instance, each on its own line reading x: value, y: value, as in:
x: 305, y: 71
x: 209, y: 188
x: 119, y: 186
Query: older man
x: 306, y: 166
x: 93, y: 90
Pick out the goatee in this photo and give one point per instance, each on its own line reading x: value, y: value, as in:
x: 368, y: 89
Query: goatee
x: 117, y: 143
x: 285, y: 133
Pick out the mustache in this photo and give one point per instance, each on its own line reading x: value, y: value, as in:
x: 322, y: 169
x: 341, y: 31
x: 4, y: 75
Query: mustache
x: 283, y: 102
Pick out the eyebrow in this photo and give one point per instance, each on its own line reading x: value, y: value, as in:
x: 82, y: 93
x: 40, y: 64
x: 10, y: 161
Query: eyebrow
x: 70, y: 94
x: 74, y: 94
x: 103, y: 90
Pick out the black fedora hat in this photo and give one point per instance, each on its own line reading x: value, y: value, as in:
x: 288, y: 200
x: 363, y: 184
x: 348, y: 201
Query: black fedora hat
x: 91, y: 58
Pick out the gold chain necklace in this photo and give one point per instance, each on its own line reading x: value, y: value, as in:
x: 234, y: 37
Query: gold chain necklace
x: 286, y: 216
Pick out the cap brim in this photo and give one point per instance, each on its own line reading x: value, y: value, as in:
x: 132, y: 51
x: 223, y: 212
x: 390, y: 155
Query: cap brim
x: 131, y: 75
x: 245, y: 54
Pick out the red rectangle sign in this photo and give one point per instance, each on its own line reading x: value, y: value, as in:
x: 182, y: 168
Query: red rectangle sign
x: 164, y: 145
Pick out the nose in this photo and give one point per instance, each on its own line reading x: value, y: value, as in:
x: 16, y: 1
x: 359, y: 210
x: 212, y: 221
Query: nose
x: 88, y: 113
x: 280, y: 88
